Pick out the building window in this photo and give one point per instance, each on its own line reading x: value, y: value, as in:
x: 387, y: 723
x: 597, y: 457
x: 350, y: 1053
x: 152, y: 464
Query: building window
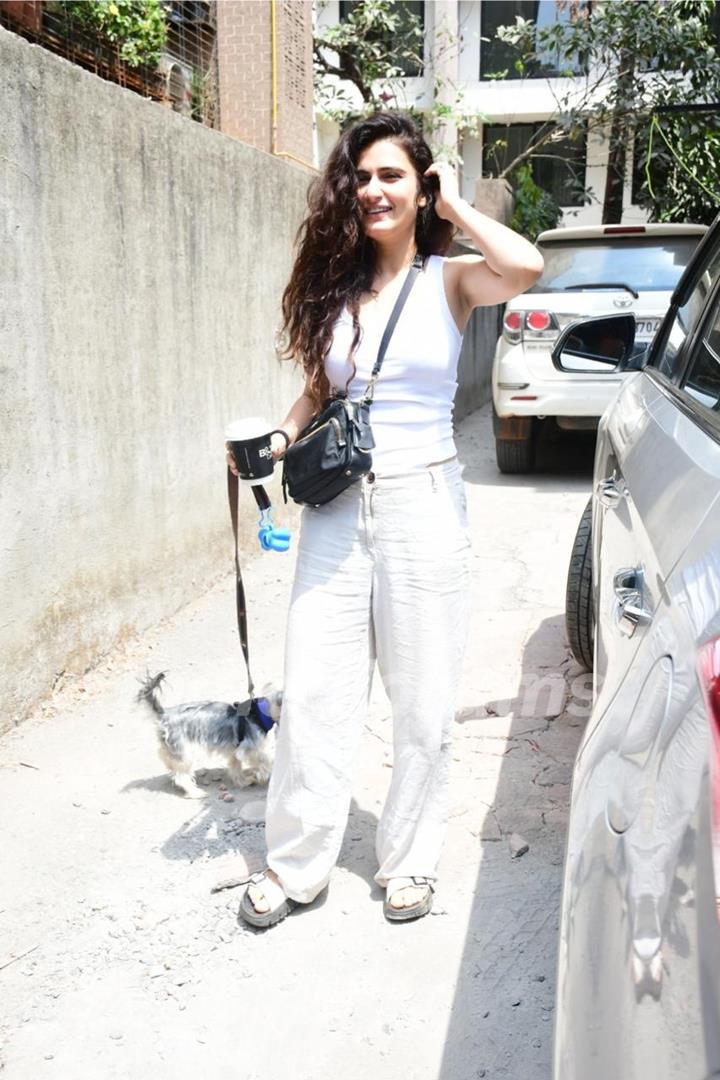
x: 560, y: 170
x: 497, y: 57
x: 406, y: 9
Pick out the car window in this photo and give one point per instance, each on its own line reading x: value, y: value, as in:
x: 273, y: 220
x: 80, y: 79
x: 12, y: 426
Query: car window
x: 645, y: 263
x: 702, y: 380
x: 672, y: 357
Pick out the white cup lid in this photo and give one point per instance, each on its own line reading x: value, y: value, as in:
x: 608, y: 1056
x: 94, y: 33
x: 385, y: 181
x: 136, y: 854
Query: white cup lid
x: 249, y: 428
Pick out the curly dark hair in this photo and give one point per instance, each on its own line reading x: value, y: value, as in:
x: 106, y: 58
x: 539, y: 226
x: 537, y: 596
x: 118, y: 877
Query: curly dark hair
x: 335, y: 261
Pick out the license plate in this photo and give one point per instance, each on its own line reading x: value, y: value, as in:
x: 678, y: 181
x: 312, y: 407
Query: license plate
x: 645, y: 328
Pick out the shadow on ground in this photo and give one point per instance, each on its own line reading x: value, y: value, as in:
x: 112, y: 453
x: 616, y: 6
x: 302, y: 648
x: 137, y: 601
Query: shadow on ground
x: 215, y: 829
x: 505, y: 990
x: 560, y: 456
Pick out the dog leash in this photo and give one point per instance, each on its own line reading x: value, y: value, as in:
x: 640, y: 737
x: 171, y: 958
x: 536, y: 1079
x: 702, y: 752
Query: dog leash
x: 263, y: 502
x: 271, y: 539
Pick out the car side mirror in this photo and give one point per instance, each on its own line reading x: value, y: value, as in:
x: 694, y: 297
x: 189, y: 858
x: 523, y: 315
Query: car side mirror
x: 599, y: 346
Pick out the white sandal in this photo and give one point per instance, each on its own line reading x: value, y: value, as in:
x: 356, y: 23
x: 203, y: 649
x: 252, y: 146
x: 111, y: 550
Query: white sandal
x: 412, y: 911
x: 280, y: 904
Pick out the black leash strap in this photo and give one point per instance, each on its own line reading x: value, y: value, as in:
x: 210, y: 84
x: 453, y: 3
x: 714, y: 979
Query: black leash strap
x: 417, y: 265
x: 263, y: 502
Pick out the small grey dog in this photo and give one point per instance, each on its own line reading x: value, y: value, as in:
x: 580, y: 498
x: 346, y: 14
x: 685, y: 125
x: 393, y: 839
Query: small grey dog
x: 241, y: 734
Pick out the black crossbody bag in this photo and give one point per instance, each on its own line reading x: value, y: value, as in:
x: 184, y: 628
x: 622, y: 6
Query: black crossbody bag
x: 335, y: 449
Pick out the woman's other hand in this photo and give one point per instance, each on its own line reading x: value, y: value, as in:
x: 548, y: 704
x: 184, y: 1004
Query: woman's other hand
x: 230, y: 460
x: 278, y: 445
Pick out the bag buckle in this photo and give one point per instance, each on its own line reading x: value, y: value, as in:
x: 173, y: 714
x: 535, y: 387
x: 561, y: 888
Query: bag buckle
x: 367, y: 398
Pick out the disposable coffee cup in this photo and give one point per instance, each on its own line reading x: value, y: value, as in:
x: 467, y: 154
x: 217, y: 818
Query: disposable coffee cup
x: 249, y: 441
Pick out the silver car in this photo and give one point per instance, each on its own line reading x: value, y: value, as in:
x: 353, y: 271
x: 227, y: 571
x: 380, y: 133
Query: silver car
x: 638, y: 989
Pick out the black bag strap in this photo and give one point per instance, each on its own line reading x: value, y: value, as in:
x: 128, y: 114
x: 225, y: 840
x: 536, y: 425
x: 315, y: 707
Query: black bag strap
x: 263, y: 502
x: 417, y: 265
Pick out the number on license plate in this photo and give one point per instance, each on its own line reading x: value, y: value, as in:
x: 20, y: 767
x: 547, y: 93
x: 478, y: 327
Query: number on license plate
x: 645, y: 328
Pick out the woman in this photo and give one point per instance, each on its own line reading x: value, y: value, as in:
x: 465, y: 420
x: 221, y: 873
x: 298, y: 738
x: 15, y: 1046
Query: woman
x: 383, y: 570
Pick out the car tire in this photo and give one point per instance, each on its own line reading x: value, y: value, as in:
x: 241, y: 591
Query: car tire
x: 579, y: 609
x: 515, y: 455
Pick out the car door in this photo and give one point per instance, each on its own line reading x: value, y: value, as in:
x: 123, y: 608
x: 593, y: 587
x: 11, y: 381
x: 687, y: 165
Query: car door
x: 637, y: 492
x: 629, y: 1004
x: 626, y: 564
x: 640, y: 946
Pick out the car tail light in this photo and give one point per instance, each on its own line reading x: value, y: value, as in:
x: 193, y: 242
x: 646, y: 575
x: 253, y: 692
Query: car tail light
x: 535, y: 323
x: 538, y: 320
x: 512, y: 326
x: 541, y: 324
x: 709, y: 671
x: 615, y: 230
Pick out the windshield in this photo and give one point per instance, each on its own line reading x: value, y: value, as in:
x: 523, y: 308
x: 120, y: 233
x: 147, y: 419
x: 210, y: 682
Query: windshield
x: 651, y: 263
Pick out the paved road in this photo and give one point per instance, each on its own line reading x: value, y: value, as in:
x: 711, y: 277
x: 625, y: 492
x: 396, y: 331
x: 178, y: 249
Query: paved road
x: 133, y: 969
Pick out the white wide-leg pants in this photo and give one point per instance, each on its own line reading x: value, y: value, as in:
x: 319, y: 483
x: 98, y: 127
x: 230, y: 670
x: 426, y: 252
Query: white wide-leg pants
x: 383, y: 573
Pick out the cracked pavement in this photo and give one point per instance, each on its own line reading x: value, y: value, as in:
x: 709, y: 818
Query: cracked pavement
x: 118, y: 961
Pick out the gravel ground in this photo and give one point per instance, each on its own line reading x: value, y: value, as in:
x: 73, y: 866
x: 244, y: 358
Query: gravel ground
x: 117, y: 962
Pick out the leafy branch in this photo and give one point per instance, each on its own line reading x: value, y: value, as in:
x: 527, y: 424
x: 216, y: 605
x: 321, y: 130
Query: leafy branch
x: 637, y: 58
x: 365, y: 62
x: 137, y: 28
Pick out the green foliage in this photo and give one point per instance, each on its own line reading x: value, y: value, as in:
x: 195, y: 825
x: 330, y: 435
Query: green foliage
x: 680, y: 173
x: 361, y: 65
x: 535, y: 210
x: 137, y: 27
x: 201, y: 99
x: 375, y: 44
x: 640, y: 57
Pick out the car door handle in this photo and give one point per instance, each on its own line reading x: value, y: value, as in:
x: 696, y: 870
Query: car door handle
x: 611, y: 491
x: 630, y: 610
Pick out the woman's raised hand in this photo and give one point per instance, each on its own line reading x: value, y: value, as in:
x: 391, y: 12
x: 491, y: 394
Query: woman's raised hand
x: 448, y: 195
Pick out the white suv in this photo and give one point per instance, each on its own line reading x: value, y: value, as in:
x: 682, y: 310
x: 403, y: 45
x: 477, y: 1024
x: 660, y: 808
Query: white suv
x: 598, y: 270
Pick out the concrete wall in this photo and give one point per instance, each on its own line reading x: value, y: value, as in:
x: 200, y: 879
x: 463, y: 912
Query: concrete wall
x: 142, y: 259
x: 476, y: 357
x: 478, y: 347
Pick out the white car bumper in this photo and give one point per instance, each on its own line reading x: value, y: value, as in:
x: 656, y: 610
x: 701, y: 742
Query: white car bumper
x: 519, y: 391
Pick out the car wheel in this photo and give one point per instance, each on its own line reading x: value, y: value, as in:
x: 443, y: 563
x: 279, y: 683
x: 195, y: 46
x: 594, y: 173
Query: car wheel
x: 579, y: 612
x: 515, y: 455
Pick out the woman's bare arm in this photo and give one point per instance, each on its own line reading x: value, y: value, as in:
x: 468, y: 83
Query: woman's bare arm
x: 509, y: 263
x: 299, y: 416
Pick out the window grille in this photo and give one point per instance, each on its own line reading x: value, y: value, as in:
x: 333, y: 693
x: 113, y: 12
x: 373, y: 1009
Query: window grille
x: 185, y: 78
x: 295, y: 52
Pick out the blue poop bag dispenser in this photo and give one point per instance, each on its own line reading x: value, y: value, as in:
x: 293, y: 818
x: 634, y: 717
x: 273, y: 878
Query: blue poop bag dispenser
x: 270, y: 537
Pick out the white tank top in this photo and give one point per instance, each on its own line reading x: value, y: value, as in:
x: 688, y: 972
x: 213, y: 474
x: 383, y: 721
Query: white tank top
x: 411, y: 415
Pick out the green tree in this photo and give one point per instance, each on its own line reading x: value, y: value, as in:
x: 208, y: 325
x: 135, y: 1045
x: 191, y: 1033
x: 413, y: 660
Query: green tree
x: 535, y: 210
x: 640, y: 58
x: 677, y: 172
x: 361, y: 64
